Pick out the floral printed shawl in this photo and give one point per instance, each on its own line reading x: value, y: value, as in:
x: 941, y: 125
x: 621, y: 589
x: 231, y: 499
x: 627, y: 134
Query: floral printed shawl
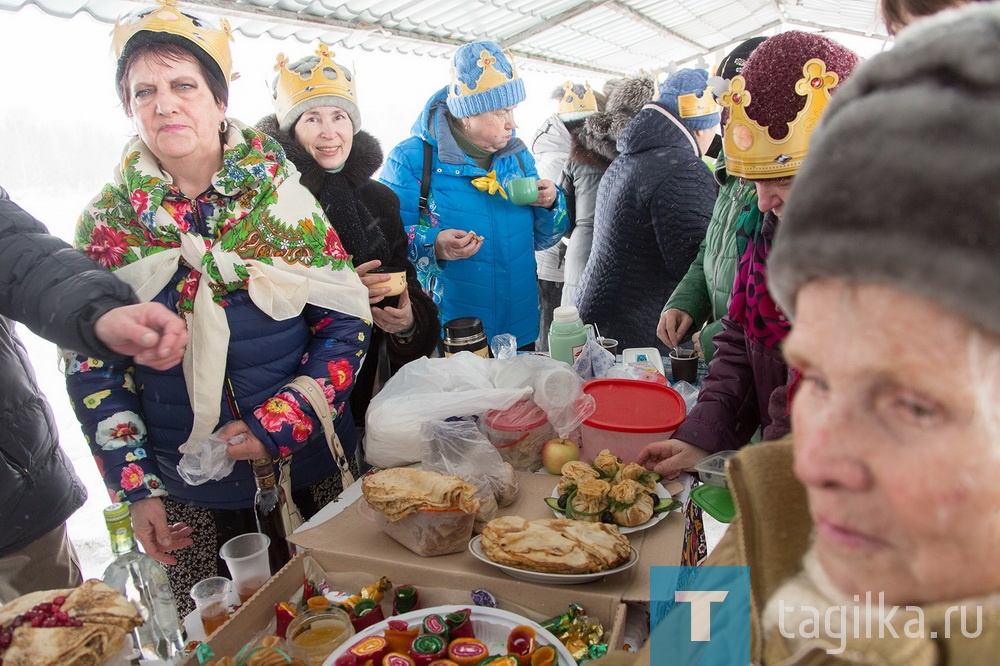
x: 273, y: 240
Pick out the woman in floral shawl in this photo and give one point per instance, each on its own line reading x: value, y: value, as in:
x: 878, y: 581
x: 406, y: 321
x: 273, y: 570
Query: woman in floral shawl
x: 207, y: 217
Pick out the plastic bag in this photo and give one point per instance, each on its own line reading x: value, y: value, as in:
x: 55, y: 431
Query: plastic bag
x: 688, y: 392
x: 458, y: 448
x: 503, y: 345
x: 555, y: 387
x: 208, y: 461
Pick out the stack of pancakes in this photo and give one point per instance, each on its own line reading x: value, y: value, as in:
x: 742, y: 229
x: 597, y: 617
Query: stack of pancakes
x: 555, y: 545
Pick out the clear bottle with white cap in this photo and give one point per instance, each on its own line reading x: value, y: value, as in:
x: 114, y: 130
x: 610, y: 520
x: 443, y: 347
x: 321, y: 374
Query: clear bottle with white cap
x: 567, y: 334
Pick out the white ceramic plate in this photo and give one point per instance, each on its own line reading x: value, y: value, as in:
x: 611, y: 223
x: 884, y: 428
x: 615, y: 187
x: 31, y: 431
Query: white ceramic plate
x: 661, y: 492
x: 492, y: 626
x: 476, y: 548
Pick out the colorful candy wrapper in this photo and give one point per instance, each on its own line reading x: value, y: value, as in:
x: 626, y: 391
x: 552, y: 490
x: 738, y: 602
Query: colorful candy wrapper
x: 595, y: 652
x: 377, y: 590
x: 484, y: 598
x: 560, y: 624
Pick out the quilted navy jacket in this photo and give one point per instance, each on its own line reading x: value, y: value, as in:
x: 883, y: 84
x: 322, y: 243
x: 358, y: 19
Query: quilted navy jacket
x: 653, y: 206
x: 497, y: 284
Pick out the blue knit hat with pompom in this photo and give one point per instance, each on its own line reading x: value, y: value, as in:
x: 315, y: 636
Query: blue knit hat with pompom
x: 689, y: 82
x: 483, y: 78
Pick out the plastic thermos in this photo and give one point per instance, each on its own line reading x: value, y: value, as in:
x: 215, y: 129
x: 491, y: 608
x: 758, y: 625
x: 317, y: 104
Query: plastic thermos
x: 567, y: 335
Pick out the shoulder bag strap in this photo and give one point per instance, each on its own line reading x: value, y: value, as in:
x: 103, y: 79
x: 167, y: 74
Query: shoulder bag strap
x: 425, y: 180
x: 311, y: 389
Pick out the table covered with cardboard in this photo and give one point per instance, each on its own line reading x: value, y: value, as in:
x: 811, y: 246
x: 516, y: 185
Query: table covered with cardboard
x: 355, y: 552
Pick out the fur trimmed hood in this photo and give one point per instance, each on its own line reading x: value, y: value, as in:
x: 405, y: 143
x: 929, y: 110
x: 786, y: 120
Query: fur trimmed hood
x: 365, y: 158
x: 599, y: 132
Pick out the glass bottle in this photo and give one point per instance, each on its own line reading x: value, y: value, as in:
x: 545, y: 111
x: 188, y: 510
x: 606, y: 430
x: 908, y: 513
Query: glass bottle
x: 269, y: 505
x: 142, y: 581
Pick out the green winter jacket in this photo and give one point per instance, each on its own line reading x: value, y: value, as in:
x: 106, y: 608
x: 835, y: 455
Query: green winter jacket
x: 704, y: 291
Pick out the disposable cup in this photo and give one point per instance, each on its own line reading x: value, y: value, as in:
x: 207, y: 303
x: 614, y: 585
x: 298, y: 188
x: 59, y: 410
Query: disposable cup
x: 609, y: 343
x: 211, y: 598
x: 684, y: 365
x: 246, y: 557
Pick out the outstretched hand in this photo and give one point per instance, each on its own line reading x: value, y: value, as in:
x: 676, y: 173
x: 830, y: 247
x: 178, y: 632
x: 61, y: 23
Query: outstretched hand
x: 149, y: 332
x: 149, y: 522
x: 670, y: 457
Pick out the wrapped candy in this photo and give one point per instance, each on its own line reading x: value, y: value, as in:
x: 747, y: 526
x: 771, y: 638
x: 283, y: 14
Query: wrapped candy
x: 467, y: 651
x: 405, y: 599
x: 595, y: 652
x: 560, y: 624
x: 460, y: 624
x: 283, y: 615
x: 375, y: 592
x: 425, y: 648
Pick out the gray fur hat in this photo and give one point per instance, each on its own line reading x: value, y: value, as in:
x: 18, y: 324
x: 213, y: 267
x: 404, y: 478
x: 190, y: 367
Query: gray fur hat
x: 902, y: 183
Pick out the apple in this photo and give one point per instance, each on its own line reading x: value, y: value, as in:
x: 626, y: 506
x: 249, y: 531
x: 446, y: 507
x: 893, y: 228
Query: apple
x: 557, y: 452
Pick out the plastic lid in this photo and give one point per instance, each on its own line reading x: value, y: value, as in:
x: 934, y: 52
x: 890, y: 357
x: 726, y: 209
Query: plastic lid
x: 717, y: 502
x: 463, y: 327
x: 631, y: 405
x: 565, y: 314
x: 522, y: 415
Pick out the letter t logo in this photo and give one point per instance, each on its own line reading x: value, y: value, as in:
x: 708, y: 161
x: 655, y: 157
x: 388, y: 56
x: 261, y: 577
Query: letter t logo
x: 701, y: 610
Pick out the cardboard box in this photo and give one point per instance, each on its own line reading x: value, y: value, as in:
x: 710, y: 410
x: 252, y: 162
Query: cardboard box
x: 356, y: 552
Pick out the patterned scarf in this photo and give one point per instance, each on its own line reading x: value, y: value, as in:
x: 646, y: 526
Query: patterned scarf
x: 751, y: 304
x: 271, y: 239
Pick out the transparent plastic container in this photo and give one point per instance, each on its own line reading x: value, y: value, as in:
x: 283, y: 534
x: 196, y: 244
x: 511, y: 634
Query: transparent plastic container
x: 430, y: 533
x: 712, y: 470
x: 518, y: 434
x: 315, y: 633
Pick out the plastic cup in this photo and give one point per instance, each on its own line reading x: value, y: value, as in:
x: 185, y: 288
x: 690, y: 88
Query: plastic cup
x: 211, y: 598
x: 684, y: 365
x: 609, y: 343
x: 523, y: 191
x: 246, y: 557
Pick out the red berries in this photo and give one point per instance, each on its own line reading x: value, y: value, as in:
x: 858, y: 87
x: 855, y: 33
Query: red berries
x: 48, y: 614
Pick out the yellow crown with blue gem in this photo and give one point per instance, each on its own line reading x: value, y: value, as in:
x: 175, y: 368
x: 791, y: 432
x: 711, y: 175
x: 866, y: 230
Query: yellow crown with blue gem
x: 750, y: 150
x: 165, y: 22
x: 573, y: 106
x: 311, y: 82
x: 483, y: 78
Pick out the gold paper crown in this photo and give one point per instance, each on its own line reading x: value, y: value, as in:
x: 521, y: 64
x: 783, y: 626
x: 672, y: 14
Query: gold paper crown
x: 570, y: 103
x: 489, y: 79
x: 750, y: 151
x: 326, y: 78
x: 166, y: 18
x: 692, y: 106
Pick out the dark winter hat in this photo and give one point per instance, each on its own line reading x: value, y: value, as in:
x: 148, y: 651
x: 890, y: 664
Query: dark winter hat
x: 777, y: 101
x: 732, y: 65
x: 685, y: 94
x: 165, y: 23
x: 483, y: 78
x: 900, y: 187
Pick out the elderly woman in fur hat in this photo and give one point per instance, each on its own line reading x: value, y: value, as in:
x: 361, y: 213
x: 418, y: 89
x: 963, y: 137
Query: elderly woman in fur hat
x: 871, y: 534
x: 317, y: 121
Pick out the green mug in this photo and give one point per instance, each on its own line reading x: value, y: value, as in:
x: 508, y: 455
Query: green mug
x: 523, y: 191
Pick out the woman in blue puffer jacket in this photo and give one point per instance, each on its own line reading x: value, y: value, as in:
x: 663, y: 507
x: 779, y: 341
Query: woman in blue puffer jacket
x: 472, y: 246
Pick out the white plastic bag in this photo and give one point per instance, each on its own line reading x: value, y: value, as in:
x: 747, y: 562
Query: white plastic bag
x: 434, y: 389
x: 425, y: 390
x: 208, y: 461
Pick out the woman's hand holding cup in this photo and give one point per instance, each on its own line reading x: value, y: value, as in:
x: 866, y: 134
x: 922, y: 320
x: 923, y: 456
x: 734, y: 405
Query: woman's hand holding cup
x: 395, y: 319
x: 377, y: 283
x: 547, y: 194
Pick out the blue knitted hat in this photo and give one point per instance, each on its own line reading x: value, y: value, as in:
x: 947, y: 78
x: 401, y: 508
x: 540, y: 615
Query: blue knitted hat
x: 684, y: 94
x: 483, y: 78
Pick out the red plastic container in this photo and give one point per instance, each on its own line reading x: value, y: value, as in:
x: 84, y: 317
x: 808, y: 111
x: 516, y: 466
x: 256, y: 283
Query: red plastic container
x: 630, y: 414
x: 518, y: 433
